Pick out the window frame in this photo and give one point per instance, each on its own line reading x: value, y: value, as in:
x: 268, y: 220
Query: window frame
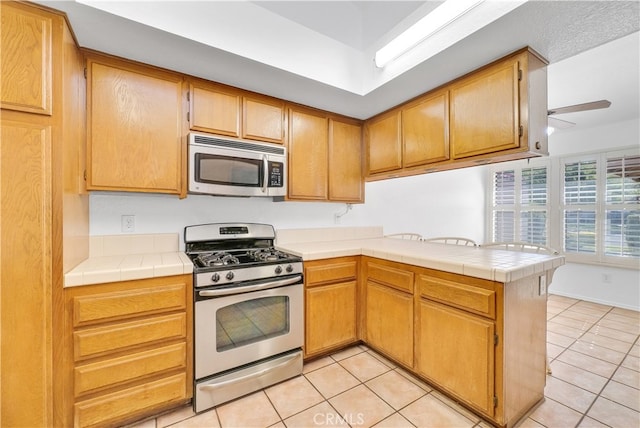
x: 518, y: 208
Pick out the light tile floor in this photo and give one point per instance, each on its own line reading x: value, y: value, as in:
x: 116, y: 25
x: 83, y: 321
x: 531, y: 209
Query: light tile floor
x: 594, y: 354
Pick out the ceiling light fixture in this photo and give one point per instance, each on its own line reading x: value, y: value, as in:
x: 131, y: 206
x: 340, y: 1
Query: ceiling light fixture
x: 435, y: 21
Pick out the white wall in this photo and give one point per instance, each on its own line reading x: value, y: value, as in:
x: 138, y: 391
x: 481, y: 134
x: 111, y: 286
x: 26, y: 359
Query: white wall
x: 447, y: 203
x: 600, y: 284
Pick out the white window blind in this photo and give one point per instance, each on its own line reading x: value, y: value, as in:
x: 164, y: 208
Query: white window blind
x: 622, y: 207
x: 601, y: 207
x: 504, y: 198
x: 580, y: 194
x: 520, y: 205
x: 586, y: 205
x: 533, y: 200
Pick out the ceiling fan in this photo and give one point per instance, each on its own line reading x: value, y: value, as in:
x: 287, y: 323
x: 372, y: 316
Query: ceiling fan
x: 563, y: 124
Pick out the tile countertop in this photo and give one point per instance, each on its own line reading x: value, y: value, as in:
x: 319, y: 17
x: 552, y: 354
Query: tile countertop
x: 115, y: 258
x: 492, y: 264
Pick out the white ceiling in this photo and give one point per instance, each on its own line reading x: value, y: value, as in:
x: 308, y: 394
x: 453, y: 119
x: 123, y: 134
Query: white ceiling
x: 319, y: 53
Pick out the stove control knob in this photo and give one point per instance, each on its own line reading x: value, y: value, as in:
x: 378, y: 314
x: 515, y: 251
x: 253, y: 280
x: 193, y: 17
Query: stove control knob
x: 289, y: 268
x: 215, y: 277
x: 229, y: 276
x: 278, y: 270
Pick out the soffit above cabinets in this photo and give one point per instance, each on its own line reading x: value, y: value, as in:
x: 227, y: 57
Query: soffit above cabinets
x: 321, y: 53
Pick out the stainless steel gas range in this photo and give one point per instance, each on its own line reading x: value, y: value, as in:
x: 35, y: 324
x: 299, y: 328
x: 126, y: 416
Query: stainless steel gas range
x: 248, y: 315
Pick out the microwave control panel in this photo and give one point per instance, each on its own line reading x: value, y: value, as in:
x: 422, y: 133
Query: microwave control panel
x: 275, y: 174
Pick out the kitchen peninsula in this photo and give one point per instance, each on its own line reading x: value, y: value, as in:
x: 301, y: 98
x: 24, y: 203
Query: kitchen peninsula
x: 469, y: 320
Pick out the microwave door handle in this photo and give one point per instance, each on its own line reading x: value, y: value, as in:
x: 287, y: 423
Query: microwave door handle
x: 265, y: 179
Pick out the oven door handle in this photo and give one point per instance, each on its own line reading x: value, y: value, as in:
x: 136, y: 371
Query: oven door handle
x: 238, y: 290
x: 214, y: 386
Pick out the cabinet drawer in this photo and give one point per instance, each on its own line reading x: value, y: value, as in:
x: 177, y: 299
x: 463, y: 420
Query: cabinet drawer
x: 474, y: 299
x: 127, y: 304
x: 396, y: 278
x: 129, y: 367
x: 330, y: 272
x: 126, y: 404
x: 116, y: 337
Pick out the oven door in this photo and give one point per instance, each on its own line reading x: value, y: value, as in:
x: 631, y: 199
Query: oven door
x: 241, y: 325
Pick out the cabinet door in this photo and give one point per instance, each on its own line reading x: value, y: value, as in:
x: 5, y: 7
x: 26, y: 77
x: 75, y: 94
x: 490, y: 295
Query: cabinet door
x: 382, y: 136
x: 26, y: 55
x: 263, y: 119
x: 25, y: 254
x: 345, y: 162
x: 389, y: 322
x: 330, y: 316
x: 135, y: 128
x: 456, y: 351
x: 140, y: 400
x: 308, y: 155
x: 425, y: 131
x: 485, y: 112
x: 214, y: 110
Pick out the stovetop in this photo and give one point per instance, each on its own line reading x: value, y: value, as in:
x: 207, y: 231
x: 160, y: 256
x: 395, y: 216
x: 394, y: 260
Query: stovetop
x: 222, y: 259
x: 228, y: 253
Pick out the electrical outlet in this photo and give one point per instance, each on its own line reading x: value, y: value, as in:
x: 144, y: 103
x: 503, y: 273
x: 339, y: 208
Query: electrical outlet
x: 128, y: 223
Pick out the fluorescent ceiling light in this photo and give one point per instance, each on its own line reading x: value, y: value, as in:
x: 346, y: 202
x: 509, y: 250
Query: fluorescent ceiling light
x: 435, y: 21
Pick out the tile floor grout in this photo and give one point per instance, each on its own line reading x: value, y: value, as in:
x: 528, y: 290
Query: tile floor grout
x: 576, y: 341
x: 572, y: 379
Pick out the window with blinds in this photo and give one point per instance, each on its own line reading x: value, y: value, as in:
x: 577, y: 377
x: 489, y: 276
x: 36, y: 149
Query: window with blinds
x: 601, y: 207
x: 579, y: 190
x: 586, y: 205
x: 622, y: 207
x: 520, y: 205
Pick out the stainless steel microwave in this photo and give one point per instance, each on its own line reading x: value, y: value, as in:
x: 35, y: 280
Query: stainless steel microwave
x: 236, y: 167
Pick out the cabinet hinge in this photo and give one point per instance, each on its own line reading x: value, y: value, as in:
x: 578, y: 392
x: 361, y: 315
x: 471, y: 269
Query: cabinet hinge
x: 519, y: 74
x: 188, y: 96
x: 496, y: 339
x: 188, y: 116
x: 521, y: 131
x: 495, y: 401
x: 85, y: 72
x: 85, y: 175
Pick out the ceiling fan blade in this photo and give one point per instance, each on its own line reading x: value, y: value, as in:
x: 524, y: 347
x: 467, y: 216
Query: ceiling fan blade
x: 593, y: 105
x: 559, y: 124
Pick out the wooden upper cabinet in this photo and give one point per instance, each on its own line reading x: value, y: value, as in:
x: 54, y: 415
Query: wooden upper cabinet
x: 308, y: 154
x: 223, y: 110
x: 263, y: 119
x: 496, y: 113
x: 215, y: 109
x: 485, y: 111
x: 26, y: 79
x: 382, y: 136
x: 425, y: 130
x: 134, y: 127
x: 345, y: 161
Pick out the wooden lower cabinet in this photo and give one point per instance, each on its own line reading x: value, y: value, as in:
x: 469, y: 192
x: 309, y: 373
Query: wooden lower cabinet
x: 330, y: 304
x: 129, y: 350
x: 457, y: 353
x: 389, y: 313
x: 390, y: 322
